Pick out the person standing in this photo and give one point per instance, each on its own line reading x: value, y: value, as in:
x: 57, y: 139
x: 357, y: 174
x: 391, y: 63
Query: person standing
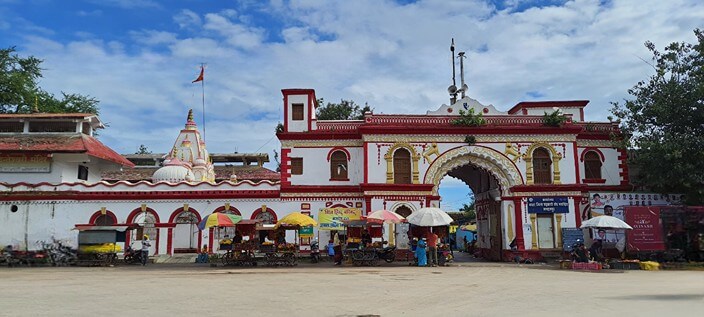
x: 420, y: 252
x: 337, y: 247
x: 145, y: 249
x: 433, y: 248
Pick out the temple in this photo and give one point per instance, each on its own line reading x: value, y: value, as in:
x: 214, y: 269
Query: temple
x: 530, y: 178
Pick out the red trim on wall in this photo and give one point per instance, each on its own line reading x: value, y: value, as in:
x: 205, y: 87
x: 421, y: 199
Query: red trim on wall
x: 285, y: 168
x: 97, y: 214
x: 548, y: 104
x: 594, y: 181
x: 339, y: 148
x: 591, y: 148
x: 577, y: 212
x: 211, y: 231
x: 396, y: 187
x: 518, y: 215
x: 576, y: 165
x: 548, y: 188
x: 179, y: 210
x: 285, y: 111
x: 232, y: 209
x: 137, y: 211
x: 623, y: 166
x: 259, y: 210
x: 368, y: 205
x: 138, y: 195
x: 581, y: 114
x: 321, y: 189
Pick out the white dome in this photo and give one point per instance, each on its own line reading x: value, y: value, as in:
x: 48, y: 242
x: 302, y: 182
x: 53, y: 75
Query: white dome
x: 173, y: 174
x: 199, y: 162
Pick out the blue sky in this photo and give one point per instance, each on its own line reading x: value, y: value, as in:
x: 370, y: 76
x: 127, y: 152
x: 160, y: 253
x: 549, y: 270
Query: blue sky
x: 138, y: 57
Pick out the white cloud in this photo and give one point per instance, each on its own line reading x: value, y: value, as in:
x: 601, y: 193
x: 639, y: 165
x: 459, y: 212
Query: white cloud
x: 92, y: 13
x: 187, y: 18
x: 394, y: 57
x: 127, y: 4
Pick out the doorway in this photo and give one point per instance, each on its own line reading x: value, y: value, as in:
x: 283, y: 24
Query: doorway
x: 546, y: 232
x: 186, y: 233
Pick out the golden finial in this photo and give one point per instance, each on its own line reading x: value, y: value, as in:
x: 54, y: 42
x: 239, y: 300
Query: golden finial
x: 35, y: 109
x: 190, y: 115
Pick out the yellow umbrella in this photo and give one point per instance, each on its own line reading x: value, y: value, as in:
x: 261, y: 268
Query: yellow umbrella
x: 296, y: 219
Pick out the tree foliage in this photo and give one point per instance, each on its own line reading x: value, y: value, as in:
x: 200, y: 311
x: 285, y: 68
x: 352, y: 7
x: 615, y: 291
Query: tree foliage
x: 20, y: 91
x: 469, y: 213
x: 345, y: 110
x: 664, y: 122
x: 554, y: 119
x: 469, y: 119
x: 143, y: 150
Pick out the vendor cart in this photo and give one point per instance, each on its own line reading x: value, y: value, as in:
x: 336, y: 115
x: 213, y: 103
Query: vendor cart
x: 277, y: 252
x: 357, y: 252
x: 241, y: 254
x: 97, y: 245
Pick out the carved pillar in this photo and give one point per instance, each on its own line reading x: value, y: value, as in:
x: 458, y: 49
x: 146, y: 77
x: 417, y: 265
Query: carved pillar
x: 415, y: 158
x: 556, y: 167
x: 529, y: 168
x: 509, y: 224
x: 533, y: 233
x: 389, y: 168
x: 558, y: 218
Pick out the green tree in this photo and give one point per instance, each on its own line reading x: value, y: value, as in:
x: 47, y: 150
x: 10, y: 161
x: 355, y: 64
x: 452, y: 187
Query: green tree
x: 20, y: 92
x: 664, y: 122
x: 470, y: 213
x: 143, y: 150
x: 345, y: 110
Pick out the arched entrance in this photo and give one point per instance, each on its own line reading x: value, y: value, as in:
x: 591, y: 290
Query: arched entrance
x: 400, y: 231
x: 490, y: 175
x: 147, y: 219
x: 186, y: 236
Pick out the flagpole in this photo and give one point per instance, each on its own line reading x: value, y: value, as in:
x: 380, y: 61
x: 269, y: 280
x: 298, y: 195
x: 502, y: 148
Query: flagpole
x: 202, y: 93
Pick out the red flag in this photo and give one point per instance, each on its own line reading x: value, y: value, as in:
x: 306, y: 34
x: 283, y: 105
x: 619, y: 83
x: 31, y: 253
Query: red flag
x: 200, y: 77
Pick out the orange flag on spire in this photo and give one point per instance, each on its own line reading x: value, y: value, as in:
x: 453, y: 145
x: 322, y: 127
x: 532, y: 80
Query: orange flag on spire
x: 200, y: 77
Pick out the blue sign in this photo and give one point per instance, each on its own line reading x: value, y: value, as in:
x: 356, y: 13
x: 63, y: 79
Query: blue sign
x: 548, y: 205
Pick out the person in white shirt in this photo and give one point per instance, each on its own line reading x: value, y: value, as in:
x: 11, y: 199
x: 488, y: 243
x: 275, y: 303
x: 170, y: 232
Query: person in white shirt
x: 145, y: 249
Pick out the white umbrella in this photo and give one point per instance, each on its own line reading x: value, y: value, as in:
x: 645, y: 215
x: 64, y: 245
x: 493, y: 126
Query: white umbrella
x: 429, y: 217
x: 606, y: 222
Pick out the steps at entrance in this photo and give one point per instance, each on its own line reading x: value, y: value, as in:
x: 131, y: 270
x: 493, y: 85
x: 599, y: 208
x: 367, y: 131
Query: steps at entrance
x: 176, y: 258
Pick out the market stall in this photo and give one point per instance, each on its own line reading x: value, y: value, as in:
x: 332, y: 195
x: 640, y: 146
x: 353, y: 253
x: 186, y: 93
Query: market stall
x: 98, y: 245
x: 281, y: 252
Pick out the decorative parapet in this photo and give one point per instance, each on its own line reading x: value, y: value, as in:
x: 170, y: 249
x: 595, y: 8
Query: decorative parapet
x: 339, y: 125
x: 124, y: 186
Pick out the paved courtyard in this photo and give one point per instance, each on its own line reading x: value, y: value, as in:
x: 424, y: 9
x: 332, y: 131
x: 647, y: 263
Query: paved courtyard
x: 474, y: 289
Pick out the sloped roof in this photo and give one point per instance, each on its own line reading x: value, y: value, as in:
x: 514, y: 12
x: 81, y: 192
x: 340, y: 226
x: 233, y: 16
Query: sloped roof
x: 61, y: 143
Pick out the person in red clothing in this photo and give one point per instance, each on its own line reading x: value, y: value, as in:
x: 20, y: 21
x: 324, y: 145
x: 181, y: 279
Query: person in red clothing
x: 432, y: 248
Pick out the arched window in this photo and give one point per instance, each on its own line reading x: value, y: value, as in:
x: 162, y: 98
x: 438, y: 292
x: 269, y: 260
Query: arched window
x: 404, y: 211
x: 402, y: 166
x: 592, y: 165
x: 266, y: 216
x: 542, y: 166
x: 338, y: 166
x: 104, y: 220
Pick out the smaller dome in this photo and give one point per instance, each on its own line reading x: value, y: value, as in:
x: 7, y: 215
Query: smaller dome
x: 199, y: 162
x: 173, y: 174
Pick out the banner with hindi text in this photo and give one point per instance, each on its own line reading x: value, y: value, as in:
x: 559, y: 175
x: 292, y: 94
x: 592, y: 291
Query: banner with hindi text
x: 333, y: 218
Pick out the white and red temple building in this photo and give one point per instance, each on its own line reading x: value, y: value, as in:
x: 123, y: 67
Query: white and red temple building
x: 530, y: 180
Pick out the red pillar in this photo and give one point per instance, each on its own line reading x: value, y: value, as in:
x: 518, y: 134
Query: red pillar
x: 577, y: 212
x: 169, y: 241
x: 210, y: 240
x: 518, y: 208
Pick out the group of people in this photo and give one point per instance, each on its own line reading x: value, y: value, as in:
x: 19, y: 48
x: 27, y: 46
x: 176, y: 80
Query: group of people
x: 426, y: 249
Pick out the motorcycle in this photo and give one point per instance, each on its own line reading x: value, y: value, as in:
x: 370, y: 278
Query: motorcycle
x: 133, y: 256
x: 314, y: 252
x: 387, y: 254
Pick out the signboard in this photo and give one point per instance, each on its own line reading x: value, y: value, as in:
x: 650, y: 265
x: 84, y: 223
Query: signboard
x: 305, y: 232
x: 612, y: 203
x: 548, y: 205
x: 332, y: 218
x: 570, y: 237
x: 647, y: 231
x: 25, y: 163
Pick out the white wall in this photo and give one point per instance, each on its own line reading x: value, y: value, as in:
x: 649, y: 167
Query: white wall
x: 302, y: 125
x: 316, y: 167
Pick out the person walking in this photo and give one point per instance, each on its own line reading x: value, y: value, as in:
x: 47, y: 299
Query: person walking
x: 433, y: 248
x: 145, y: 249
x: 420, y: 252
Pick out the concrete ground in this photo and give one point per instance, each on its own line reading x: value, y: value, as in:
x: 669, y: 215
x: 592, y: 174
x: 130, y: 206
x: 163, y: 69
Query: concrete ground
x: 467, y: 289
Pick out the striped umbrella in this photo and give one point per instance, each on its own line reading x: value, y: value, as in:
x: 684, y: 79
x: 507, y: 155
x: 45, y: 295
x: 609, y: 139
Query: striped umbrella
x: 385, y: 216
x: 219, y: 219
